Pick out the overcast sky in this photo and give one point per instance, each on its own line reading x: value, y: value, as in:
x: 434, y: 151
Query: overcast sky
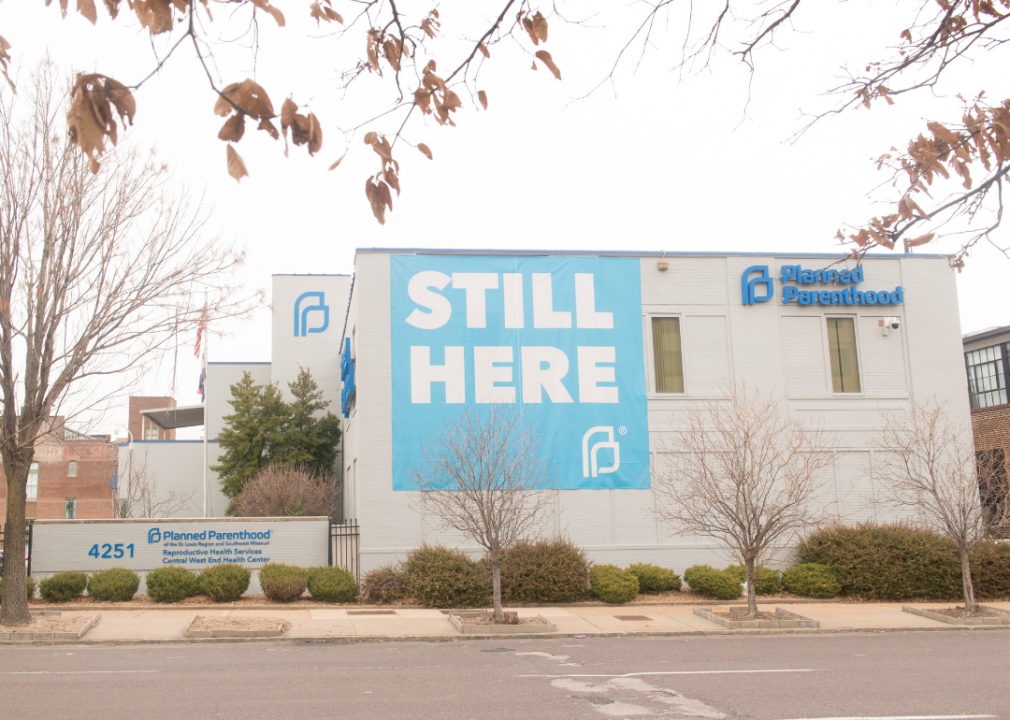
x: 654, y: 161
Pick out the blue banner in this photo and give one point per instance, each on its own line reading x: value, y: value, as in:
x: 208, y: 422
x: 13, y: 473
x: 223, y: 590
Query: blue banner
x: 559, y: 336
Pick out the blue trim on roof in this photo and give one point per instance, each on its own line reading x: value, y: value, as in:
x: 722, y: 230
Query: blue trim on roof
x: 642, y: 253
x: 311, y: 275
x: 149, y: 442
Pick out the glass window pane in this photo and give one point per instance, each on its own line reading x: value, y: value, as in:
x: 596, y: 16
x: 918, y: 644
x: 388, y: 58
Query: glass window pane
x: 33, y: 482
x: 844, y: 362
x: 72, y: 468
x: 667, y: 355
x: 987, y: 384
x: 71, y: 509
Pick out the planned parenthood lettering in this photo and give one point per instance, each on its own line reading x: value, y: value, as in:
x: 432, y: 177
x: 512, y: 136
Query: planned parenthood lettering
x: 211, y: 547
x: 558, y: 337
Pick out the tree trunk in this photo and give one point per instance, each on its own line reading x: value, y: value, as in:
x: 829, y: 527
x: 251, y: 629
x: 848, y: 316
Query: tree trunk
x: 14, y: 602
x: 969, y: 588
x: 499, y: 614
x: 752, y: 603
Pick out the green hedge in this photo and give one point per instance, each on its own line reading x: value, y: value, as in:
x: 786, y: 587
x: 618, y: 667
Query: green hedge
x: 384, y: 584
x: 332, y: 585
x: 766, y: 580
x: 554, y: 570
x: 283, y: 583
x: 29, y: 586
x: 225, y: 582
x: 117, y: 584
x: 63, y: 586
x: 811, y: 580
x: 171, y: 584
x: 705, y: 578
x: 445, y: 578
x: 613, y: 585
x: 654, y: 579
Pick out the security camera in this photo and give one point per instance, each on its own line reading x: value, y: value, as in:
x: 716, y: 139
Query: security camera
x: 894, y: 322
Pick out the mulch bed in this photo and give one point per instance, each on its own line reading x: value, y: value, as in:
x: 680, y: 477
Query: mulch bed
x: 692, y: 596
x: 231, y: 623
x: 742, y: 615
x: 512, y: 618
x: 960, y: 612
x: 51, y: 623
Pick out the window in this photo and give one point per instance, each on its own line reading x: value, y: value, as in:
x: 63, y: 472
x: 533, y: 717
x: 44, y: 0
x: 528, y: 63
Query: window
x: 72, y: 468
x: 844, y: 363
x: 667, y: 355
x: 33, y: 482
x: 70, y: 512
x: 987, y: 376
x: 151, y: 432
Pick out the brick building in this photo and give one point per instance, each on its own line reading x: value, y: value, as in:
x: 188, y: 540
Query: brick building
x: 987, y: 361
x: 70, y: 476
x: 142, y: 426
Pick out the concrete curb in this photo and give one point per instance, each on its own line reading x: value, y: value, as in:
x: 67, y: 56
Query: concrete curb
x: 509, y: 630
x: 796, y: 621
x: 345, y: 640
x: 31, y: 638
x: 972, y: 621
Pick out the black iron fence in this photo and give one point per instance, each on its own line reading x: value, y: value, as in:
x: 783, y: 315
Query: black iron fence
x: 29, y: 532
x: 345, y: 541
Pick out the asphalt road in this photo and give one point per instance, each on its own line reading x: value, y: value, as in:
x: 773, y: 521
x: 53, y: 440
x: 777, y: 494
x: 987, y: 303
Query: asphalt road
x: 893, y: 675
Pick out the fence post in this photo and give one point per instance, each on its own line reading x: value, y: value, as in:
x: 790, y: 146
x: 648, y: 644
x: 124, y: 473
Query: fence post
x: 31, y: 532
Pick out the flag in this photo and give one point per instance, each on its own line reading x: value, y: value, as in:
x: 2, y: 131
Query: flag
x: 199, y: 334
x: 203, y: 382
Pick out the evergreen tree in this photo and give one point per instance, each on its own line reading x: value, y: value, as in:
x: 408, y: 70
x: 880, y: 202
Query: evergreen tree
x: 250, y: 434
x: 307, y: 439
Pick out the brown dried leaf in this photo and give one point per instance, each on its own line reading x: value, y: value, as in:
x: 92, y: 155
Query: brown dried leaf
x: 540, y: 26
x: 155, y: 15
x: 315, y: 134
x: 90, y: 117
x: 4, y: 59
x: 340, y: 159
x: 391, y: 50
x: 233, y: 128
x: 269, y: 127
x: 288, y: 112
x: 378, y: 199
x: 482, y: 96
x: 389, y: 175
x: 112, y: 6
x: 546, y: 59
x: 425, y: 149
x: 236, y: 168
x: 528, y: 26
x: 265, y: 5
x: 484, y: 50
x: 430, y: 67
x: 921, y: 240
x: 249, y: 96
x: 87, y: 9
x: 534, y: 67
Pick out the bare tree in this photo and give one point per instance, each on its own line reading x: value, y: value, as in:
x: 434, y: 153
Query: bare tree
x: 486, y: 475
x: 288, y: 490
x: 145, y: 498
x: 745, y: 474
x: 97, y: 274
x: 928, y: 465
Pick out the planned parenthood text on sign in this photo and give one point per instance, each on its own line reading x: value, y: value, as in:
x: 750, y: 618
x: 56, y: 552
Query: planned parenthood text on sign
x: 561, y: 338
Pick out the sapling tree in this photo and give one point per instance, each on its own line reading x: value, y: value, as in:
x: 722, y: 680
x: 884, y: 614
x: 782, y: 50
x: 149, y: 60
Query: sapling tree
x: 485, y: 474
x: 743, y: 472
x: 927, y: 465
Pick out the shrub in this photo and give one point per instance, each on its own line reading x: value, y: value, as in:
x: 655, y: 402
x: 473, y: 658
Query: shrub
x: 613, y: 585
x: 116, y: 584
x: 171, y: 584
x: 385, y: 584
x: 811, y: 580
x: 63, y: 586
x: 283, y: 583
x: 990, y: 569
x: 287, y: 490
x: 886, y: 562
x: 705, y: 578
x: 225, y: 582
x: 443, y: 577
x: 29, y: 586
x: 553, y: 570
x: 332, y: 584
x: 766, y: 580
x: 652, y: 578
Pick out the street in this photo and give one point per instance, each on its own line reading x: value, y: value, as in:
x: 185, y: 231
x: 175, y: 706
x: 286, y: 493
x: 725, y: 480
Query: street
x: 771, y: 677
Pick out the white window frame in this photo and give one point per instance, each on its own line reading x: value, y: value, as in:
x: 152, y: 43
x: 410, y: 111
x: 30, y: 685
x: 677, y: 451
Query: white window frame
x: 859, y: 356
x: 650, y: 358
x: 30, y: 486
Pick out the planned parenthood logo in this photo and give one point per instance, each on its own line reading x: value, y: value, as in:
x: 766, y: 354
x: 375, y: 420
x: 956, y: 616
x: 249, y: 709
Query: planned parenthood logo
x: 153, y: 536
x: 590, y: 459
x: 302, y: 313
x: 749, y: 284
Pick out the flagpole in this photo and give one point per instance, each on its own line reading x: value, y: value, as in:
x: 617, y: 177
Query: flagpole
x: 206, y: 423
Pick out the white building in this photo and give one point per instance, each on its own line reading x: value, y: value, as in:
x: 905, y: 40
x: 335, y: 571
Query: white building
x: 606, y: 350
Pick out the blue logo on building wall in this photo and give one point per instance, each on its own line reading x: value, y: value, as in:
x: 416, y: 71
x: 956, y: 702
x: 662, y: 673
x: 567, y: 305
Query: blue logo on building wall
x: 558, y: 337
x: 302, y: 313
x: 748, y: 285
x: 347, y: 390
x: 154, y: 536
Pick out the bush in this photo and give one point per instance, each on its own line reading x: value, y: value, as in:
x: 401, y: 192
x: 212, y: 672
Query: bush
x: 553, y: 570
x: 385, y: 585
x: 811, y: 580
x: 652, y: 578
x: 443, y: 577
x: 283, y: 583
x: 613, y: 585
x: 63, y: 586
x: 287, y: 490
x: 116, y: 584
x: 766, y: 580
x: 225, y: 582
x: 990, y: 569
x: 332, y: 584
x: 171, y: 584
x: 29, y: 586
x: 705, y: 578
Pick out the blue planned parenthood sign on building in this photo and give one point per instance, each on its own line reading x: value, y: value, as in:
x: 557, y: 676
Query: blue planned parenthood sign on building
x: 559, y: 337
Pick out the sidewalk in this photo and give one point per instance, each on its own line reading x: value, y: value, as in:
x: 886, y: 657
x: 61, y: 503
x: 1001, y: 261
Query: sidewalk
x: 350, y: 624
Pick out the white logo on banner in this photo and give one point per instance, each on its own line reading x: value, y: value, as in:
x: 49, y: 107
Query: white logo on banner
x: 589, y: 462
